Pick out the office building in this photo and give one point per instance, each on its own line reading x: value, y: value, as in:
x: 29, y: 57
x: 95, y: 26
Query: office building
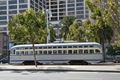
x: 62, y: 8
x: 58, y: 9
x: 9, y: 8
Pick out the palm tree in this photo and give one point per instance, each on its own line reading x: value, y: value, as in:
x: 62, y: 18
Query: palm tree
x: 65, y: 24
x: 52, y: 33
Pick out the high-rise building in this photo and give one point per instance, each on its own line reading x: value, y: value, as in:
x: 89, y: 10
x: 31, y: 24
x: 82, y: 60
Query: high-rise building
x: 61, y: 8
x: 9, y: 8
x: 58, y: 8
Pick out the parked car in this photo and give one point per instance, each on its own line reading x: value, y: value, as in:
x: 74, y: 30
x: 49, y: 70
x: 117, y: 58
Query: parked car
x: 4, y: 60
x: 116, y: 60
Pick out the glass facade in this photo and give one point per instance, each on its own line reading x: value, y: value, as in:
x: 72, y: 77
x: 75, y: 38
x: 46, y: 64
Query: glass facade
x: 8, y: 8
x: 58, y: 8
x: 61, y: 8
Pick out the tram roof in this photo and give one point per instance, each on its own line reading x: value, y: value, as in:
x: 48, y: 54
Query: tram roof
x: 58, y: 44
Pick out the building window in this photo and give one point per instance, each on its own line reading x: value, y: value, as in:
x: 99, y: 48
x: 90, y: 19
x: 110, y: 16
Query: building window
x: 71, y: 13
x: 3, y: 28
x: 80, y: 8
x: 54, y: 18
x: 79, y: 0
x: 36, y: 5
x: 71, y: 1
x: 3, y: 12
x: 3, y: 2
x: 21, y: 11
x: 13, y: 7
x: 13, y: 12
x: 31, y: 2
x: 10, y: 16
x: 23, y: 1
x: 23, y: 6
x: 71, y: 9
x: 80, y: 16
x: 71, y: 5
x: 80, y: 12
x: 3, y: 7
x: 3, y: 17
x: 13, y: 2
x: 3, y: 22
x: 31, y: 6
x: 79, y: 4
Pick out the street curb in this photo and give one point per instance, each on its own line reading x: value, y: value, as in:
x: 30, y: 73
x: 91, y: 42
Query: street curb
x: 60, y: 70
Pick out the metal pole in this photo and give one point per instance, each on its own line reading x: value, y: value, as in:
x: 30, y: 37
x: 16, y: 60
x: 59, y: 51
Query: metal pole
x: 47, y: 26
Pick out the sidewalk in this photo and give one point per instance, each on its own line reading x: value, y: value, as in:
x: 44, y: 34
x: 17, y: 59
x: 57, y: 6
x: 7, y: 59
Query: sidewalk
x: 75, y: 68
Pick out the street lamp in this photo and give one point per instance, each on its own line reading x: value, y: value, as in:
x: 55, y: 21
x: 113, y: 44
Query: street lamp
x: 48, y: 13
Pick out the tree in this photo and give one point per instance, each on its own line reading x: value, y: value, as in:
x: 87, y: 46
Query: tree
x: 52, y: 33
x: 112, y: 9
x: 90, y: 31
x: 103, y: 29
x: 75, y: 32
x: 110, y: 50
x: 29, y: 25
x: 65, y: 24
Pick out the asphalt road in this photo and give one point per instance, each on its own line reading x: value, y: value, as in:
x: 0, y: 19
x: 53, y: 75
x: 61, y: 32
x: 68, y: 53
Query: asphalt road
x: 51, y: 75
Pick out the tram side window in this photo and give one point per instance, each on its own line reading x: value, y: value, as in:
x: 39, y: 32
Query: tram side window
x: 36, y: 52
x: 91, y: 51
x: 40, y: 47
x: 64, y: 51
x: 54, y: 51
x: 26, y: 52
x: 54, y: 47
x: 49, y: 47
x: 69, y: 46
x: 31, y: 52
x: 17, y: 52
x: 64, y: 46
x: 59, y: 51
x: 80, y: 51
x: 26, y: 48
x: 69, y: 51
x: 40, y: 52
x: 74, y: 46
x: 91, y: 46
x: 75, y: 51
x: 44, y: 52
x: 13, y: 51
x: 85, y: 46
x: 85, y: 51
x: 22, y: 52
x: 45, y: 47
x: 59, y: 47
x: 49, y: 52
x: 80, y: 46
x: 97, y: 51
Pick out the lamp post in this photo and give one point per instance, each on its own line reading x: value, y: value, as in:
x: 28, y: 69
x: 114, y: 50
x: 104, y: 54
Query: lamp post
x: 48, y: 36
